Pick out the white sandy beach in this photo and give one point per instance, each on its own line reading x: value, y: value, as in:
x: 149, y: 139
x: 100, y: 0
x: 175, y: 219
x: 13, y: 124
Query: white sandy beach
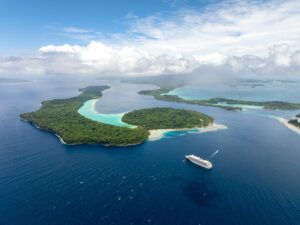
x: 288, y: 125
x: 159, y: 133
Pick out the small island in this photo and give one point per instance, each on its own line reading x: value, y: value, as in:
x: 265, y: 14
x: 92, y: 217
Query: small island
x: 167, y: 118
x: 225, y: 103
x: 168, y: 83
x: 161, y: 94
x: 61, y: 117
x: 296, y: 121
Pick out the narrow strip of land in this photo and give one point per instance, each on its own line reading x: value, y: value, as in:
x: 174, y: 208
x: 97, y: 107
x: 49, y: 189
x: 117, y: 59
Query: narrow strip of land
x: 167, y: 84
x: 225, y: 103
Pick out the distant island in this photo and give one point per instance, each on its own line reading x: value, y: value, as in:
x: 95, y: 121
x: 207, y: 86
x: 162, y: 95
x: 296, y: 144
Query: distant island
x: 296, y: 121
x: 161, y: 94
x: 60, y: 116
x: 11, y: 80
x: 166, y: 84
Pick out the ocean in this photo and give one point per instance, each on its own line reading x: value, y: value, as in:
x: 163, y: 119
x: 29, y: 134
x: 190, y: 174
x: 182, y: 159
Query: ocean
x: 255, y: 179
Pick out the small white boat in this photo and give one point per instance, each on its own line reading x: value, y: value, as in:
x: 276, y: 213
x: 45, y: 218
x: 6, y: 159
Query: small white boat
x: 199, y: 161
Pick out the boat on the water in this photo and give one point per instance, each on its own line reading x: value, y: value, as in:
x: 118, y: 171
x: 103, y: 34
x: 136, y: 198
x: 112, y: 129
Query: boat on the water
x: 199, y: 161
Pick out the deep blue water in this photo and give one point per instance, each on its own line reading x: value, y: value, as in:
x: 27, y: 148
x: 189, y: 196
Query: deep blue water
x: 255, y: 179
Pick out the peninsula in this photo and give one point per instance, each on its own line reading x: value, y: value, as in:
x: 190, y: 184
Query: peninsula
x: 161, y: 94
x: 225, y: 103
x: 166, y: 84
x: 61, y: 117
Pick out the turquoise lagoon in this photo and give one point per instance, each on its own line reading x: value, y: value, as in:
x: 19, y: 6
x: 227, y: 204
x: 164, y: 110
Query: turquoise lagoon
x: 89, y: 112
x: 115, y: 119
x: 173, y: 133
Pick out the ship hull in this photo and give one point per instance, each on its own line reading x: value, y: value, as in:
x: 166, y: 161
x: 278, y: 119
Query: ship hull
x: 199, y: 161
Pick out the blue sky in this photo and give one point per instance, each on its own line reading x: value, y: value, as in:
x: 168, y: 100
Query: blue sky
x: 28, y: 24
x: 153, y: 37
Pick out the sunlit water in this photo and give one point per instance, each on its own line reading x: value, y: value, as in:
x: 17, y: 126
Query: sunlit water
x: 255, y: 179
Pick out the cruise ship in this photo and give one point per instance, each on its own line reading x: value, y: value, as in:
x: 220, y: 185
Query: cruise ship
x: 199, y: 161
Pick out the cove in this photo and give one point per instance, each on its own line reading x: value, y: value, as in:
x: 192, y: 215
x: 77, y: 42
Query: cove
x: 89, y: 112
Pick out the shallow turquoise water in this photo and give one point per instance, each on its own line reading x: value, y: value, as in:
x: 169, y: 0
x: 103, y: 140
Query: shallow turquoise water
x: 115, y: 119
x: 169, y: 134
x: 88, y: 111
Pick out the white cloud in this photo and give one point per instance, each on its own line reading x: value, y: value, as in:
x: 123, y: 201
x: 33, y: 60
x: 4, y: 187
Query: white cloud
x: 60, y: 49
x: 241, y: 37
x: 77, y: 30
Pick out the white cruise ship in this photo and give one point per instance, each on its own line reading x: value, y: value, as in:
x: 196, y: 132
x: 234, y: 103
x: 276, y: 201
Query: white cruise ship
x: 199, y: 161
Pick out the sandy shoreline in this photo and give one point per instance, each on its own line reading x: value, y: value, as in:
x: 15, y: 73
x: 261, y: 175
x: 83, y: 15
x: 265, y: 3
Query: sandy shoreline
x: 160, y: 133
x: 286, y: 123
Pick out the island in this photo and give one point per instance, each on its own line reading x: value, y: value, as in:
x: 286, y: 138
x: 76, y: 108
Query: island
x: 167, y: 118
x: 11, y: 80
x: 61, y: 117
x: 296, y: 121
x: 225, y: 103
x: 161, y: 94
x: 168, y: 83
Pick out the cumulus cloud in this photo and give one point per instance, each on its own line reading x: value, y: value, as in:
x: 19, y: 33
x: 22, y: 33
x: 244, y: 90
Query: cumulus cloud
x: 234, y: 38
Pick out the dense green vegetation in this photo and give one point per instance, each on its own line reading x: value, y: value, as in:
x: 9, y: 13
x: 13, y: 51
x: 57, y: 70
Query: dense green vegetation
x: 167, y: 118
x: 273, y: 105
x: 168, y: 83
x: 160, y: 94
x: 60, y: 116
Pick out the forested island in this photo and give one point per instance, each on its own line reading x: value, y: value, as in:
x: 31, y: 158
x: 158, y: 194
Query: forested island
x: 168, y: 83
x: 60, y: 116
x: 160, y: 94
x: 295, y: 122
x: 167, y: 118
